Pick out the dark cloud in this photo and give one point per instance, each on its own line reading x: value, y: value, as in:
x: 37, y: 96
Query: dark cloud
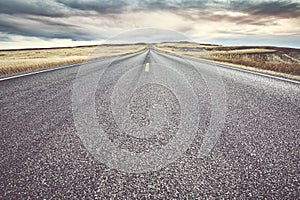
x: 268, y: 8
x: 174, y: 5
x: 253, y: 12
x: 42, y: 29
x: 274, y: 7
x: 109, y: 6
x: 100, y: 6
x: 281, y: 8
x: 50, y: 22
x: 33, y: 7
x: 65, y: 8
x: 47, y: 18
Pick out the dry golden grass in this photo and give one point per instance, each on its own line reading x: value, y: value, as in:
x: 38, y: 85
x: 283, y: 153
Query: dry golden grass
x: 282, y: 60
x: 16, y: 61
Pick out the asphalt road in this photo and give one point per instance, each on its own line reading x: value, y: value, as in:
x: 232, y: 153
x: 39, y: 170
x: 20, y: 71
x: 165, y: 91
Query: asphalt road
x: 79, y: 132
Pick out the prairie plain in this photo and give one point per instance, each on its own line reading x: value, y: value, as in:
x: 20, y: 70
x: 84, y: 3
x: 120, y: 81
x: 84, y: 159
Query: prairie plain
x: 278, y: 60
x: 24, y: 60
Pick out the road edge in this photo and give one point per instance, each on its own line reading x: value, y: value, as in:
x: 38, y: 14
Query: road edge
x: 59, y: 67
x: 233, y: 67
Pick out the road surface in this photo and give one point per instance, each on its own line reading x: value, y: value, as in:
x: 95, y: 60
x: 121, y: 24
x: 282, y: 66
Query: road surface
x: 253, y: 151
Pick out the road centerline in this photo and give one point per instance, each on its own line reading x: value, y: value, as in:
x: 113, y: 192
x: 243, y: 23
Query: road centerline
x: 147, y: 67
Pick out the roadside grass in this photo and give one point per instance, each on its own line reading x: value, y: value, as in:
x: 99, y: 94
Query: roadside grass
x: 25, y: 60
x: 275, y: 59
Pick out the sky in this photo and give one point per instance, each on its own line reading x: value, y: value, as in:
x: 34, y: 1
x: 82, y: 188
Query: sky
x: 50, y: 23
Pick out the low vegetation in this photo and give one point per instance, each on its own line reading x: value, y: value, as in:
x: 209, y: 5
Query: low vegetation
x: 24, y: 60
x: 276, y: 59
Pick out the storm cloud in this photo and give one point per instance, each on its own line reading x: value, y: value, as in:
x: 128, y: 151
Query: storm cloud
x: 104, y: 6
x: 33, y: 7
x: 268, y: 8
x: 87, y: 20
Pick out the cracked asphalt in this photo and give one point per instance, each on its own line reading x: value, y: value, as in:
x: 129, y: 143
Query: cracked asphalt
x: 256, y: 156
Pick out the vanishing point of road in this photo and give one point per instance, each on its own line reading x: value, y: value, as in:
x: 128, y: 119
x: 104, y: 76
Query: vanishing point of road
x: 45, y: 153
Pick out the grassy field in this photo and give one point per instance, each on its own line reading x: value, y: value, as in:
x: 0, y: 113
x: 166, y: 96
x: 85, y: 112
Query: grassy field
x: 266, y: 58
x: 24, y: 60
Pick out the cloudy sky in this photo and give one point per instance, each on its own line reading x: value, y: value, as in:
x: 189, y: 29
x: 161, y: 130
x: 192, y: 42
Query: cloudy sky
x: 44, y: 23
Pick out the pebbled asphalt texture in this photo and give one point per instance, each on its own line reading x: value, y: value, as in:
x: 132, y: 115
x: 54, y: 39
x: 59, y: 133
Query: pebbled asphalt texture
x: 255, y: 157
